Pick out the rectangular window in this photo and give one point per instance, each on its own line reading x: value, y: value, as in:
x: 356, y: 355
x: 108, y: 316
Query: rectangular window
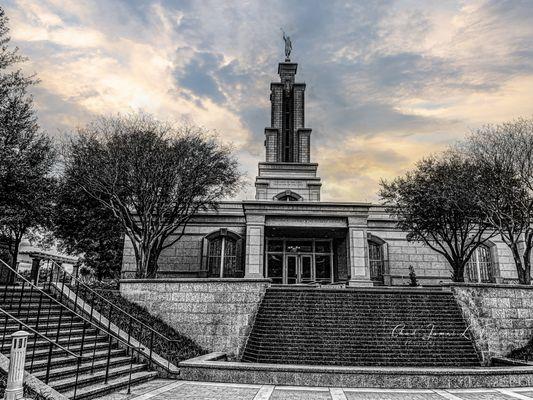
x: 323, y: 247
x: 275, y: 246
x: 323, y: 268
x: 275, y: 268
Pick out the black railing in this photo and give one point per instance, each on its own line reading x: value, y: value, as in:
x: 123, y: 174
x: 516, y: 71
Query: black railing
x: 26, y: 304
x: 12, y: 323
x: 100, y: 308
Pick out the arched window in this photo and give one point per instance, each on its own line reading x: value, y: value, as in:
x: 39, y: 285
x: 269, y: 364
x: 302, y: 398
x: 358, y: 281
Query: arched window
x: 223, y: 254
x: 479, y: 267
x: 287, y: 198
x: 376, y: 261
x: 288, y: 195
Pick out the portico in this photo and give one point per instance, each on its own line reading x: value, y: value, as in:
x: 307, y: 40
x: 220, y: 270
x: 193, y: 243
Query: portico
x: 307, y: 242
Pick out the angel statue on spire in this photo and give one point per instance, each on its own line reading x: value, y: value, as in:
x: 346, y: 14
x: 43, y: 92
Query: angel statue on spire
x: 288, y: 46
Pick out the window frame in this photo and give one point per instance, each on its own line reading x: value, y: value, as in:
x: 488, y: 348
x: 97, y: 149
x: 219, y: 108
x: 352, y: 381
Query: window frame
x: 225, y: 238
x: 479, y: 265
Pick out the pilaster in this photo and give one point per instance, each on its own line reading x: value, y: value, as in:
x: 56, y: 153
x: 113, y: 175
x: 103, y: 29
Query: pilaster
x: 358, y: 252
x: 255, y: 242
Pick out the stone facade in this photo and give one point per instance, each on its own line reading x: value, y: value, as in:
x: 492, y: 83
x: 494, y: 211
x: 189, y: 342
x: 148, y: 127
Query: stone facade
x: 215, y: 313
x: 500, y: 317
x: 248, y: 219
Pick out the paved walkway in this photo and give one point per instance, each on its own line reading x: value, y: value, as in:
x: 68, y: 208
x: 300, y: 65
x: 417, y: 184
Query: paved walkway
x: 161, y: 389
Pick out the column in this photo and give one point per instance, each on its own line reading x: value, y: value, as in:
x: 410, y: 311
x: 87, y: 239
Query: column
x: 35, y: 265
x: 358, y: 252
x: 255, y: 243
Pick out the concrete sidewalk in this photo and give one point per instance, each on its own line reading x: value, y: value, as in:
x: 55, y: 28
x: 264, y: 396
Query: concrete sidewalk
x: 161, y: 389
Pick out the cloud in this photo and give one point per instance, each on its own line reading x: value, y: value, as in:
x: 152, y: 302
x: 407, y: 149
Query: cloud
x: 387, y: 81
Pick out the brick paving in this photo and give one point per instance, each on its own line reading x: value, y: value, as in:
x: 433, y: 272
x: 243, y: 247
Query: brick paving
x: 161, y: 389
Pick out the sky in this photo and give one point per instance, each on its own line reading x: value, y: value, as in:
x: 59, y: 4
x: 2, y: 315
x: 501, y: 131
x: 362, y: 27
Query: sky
x: 388, y: 82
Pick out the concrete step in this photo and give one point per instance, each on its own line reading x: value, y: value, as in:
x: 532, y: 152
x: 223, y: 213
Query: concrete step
x: 100, y: 389
x: 343, y: 327
x: 63, y: 340
x: 41, y: 364
x: 39, y: 353
x: 44, y: 315
x: 64, y: 384
x: 58, y: 371
x: 45, y: 327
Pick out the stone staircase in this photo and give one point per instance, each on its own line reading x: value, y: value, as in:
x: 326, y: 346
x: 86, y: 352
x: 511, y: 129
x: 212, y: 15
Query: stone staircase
x: 366, y: 327
x: 62, y: 374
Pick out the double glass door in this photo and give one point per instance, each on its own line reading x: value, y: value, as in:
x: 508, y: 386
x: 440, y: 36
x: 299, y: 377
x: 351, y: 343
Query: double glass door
x: 299, y: 268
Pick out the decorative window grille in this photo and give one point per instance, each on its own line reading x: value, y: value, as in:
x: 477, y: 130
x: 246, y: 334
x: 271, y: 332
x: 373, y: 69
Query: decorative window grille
x: 375, y: 258
x: 479, y: 267
x: 222, y: 257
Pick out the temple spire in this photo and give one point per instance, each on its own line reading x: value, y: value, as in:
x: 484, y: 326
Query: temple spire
x: 287, y: 172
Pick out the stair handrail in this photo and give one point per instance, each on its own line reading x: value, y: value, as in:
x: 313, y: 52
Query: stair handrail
x: 52, y: 344
x: 130, y: 348
x: 99, y: 327
x: 35, y: 332
x: 120, y: 310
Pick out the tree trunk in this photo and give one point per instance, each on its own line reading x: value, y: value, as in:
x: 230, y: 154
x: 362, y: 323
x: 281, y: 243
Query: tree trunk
x: 518, y: 263
x: 152, y: 266
x: 14, y: 250
x: 527, y: 264
x: 143, y: 260
x: 458, y: 271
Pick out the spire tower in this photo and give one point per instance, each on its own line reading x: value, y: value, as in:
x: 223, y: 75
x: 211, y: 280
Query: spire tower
x: 288, y: 173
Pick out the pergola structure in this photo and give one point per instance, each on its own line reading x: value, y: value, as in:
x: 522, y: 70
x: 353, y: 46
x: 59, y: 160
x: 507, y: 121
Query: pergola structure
x: 38, y: 256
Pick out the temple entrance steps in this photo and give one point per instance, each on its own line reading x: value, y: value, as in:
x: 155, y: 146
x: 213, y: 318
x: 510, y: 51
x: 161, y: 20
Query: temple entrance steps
x: 100, y: 352
x: 365, y: 327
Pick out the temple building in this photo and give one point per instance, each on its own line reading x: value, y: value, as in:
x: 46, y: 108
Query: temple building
x: 289, y: 235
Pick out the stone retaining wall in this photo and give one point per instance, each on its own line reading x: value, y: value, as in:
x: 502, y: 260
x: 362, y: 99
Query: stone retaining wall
x: 215, y: 313
x: 500, y: 317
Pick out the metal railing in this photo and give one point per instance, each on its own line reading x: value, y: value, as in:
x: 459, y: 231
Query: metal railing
x: 11, y: 320
x: 134, y: 328
x: 31, y: 307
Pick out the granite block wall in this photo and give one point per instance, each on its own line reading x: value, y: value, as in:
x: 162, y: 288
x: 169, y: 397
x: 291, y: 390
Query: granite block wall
x: 500, y: 317
x: 215, y: 313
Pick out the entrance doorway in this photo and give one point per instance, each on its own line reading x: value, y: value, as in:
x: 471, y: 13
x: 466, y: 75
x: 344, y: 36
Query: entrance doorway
x: 299, y: 261
x: 299, y: 268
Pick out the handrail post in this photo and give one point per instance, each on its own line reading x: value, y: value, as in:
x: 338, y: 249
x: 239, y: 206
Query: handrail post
x: 17, y: 360
x: 108, y: 349
x: 151, y: 347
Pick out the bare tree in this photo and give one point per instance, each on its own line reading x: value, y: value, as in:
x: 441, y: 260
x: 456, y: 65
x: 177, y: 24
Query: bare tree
x: 153, y: 176
x: 438, y: 203
x: 505, y: 151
